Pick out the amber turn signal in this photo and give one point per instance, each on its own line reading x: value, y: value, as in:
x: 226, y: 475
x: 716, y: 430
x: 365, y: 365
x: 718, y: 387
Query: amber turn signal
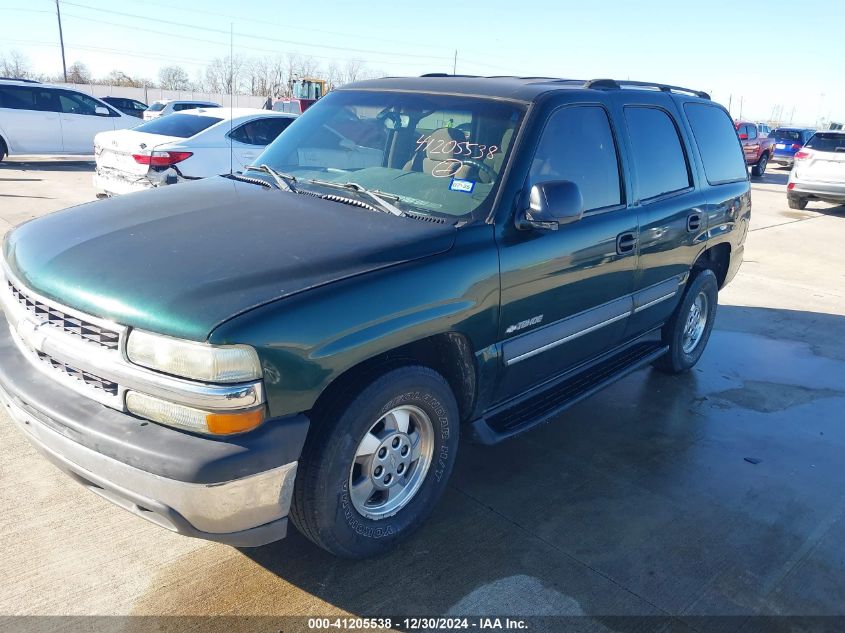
x: 228, y: 423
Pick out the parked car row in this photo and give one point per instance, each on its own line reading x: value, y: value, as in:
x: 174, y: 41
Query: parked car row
x: 39, y: 118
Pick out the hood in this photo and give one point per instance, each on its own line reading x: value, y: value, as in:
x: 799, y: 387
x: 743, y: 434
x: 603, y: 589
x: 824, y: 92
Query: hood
x: 182, y: 259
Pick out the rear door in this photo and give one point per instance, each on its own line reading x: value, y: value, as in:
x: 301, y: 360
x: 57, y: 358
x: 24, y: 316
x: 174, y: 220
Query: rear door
x: 80, y: 122
x: 30, y: 119
x: 566, y: 294
x: 249, y: 139
x: 670, y: 209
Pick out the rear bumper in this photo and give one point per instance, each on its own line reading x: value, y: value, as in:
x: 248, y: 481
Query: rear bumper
x: 818, y: 189
x: 235, y: 491
x: 115, y: 185
x: 783, y: 159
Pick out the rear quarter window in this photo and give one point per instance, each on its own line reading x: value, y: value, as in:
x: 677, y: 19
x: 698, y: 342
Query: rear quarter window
x: 180, y: 125
x: 716, y: 139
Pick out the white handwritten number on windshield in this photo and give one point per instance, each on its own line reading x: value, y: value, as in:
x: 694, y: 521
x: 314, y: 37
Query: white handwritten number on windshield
x: 458, y: 149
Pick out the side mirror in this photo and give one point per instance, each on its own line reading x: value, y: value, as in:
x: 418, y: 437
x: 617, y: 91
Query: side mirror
x: 101, y: 111
x: 552, y: 204
x: 743, y: 137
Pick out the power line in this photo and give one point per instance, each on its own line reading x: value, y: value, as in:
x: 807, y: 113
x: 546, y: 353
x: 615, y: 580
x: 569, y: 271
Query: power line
x: 158, y: 20
x: 222, y: 44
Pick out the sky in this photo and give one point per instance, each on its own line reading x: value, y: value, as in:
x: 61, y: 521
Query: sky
x: 744, y: 53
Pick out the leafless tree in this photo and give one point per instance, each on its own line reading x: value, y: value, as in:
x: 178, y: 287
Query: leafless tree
x: 174, y: 78
x: 223, y: 74
x: 354, y: 70
x: 78, y: 73
x: 16, y: 65
x: 120, y: 78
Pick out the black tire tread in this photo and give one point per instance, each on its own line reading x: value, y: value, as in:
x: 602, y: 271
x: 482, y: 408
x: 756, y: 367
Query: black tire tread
x: 698, y: 277
x: 310, y: 470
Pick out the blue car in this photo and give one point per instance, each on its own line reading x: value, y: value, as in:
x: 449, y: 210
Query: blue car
x: 788, y: 140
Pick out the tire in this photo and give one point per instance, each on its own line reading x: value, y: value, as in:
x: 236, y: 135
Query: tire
x: 338, y: 478
x: 759, y: 168
x: 4, y: 151
x: 686, y: 343
x: 796, y: 202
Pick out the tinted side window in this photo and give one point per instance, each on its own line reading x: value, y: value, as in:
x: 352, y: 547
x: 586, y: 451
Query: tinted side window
x: 656, y: 151
x: 577, y: 145
x: 25, y: 98
x: 261, y: 131
x: 715, y: 136
x: 76, y: 103
x: 752, y: 132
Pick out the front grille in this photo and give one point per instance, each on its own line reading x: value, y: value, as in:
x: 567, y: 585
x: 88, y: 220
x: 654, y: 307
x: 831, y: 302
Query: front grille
x: 89, y: 379
x: 72, y: 325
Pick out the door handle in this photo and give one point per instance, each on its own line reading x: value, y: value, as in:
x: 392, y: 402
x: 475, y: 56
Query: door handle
x: 625, y: 243
x: 693, y: 222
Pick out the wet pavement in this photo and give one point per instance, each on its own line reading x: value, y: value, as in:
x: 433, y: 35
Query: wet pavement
x: 715, y: 493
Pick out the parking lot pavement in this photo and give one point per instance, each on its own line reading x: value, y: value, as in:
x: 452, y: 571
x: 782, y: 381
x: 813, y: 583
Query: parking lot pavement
x: 719, y: 492
x: 31, y: 186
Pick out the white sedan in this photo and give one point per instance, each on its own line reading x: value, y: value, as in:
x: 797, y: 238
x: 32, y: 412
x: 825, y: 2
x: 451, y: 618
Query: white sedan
x: 185, y: 146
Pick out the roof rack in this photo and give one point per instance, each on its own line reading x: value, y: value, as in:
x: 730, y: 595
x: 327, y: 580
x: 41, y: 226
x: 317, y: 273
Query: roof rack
x: 29, y: 81
x: 613, y: 84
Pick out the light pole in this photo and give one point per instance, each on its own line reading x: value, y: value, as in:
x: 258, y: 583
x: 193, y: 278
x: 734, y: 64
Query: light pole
x: 61, y: 40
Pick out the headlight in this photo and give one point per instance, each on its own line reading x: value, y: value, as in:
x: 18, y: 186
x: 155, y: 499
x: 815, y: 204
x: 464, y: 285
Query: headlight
x: 190, y: 419
x: 197, y: 361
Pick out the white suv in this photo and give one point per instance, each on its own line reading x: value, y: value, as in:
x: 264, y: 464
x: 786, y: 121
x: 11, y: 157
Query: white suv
x: 819, y: 171
x: 168, y: 106
x: 38, y: 118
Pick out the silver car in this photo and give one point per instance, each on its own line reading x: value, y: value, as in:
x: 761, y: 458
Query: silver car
x: 819, y: 171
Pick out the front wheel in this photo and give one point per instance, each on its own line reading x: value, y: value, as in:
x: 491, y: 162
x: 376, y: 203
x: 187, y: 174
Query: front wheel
x: 373, y: 469
x: 688, y: 331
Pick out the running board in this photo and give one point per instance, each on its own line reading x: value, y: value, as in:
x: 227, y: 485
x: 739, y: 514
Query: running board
x: 544, y: 406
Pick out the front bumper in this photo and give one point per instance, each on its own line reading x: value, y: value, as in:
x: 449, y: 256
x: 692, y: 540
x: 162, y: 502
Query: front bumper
x: 233, y: 490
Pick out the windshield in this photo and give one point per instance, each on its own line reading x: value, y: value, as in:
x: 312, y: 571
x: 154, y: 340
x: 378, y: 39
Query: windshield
x: 827, y: 142
x: 181, y: 125
x: 437, y: 154
x: 156, y: 106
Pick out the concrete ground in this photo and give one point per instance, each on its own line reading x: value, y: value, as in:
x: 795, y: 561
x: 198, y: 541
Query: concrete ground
x: 639, y: 501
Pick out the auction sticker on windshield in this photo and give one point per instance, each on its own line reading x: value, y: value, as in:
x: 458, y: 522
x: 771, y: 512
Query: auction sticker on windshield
x: 458, y: 184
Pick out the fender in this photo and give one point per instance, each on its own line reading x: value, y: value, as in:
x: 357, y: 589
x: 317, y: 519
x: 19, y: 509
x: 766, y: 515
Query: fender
x: 306, y: 341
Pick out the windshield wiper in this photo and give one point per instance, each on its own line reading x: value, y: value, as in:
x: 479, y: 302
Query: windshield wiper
x: 284, y: 181
x: 375, y: 194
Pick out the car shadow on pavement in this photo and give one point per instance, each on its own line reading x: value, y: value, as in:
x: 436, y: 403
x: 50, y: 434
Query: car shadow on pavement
x: 718, y: 491
x: 771, y: 178
x: 48, y: 165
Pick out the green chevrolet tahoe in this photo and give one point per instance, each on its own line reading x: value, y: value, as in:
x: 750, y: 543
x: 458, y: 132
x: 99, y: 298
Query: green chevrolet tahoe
x: 413, y: 263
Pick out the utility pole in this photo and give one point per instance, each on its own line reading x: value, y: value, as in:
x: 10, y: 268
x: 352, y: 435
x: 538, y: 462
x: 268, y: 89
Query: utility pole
x: 61, y: 40
x: 730, y: 103
x: 455, y: 64
x: 740, y: 106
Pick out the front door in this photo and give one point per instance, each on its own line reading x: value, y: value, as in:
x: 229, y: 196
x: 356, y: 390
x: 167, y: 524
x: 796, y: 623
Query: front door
x: 80, y: 122
x: 566, y: 294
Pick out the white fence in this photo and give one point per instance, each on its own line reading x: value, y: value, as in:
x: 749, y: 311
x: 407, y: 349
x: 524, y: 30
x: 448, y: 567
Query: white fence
x: 148, y: 95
